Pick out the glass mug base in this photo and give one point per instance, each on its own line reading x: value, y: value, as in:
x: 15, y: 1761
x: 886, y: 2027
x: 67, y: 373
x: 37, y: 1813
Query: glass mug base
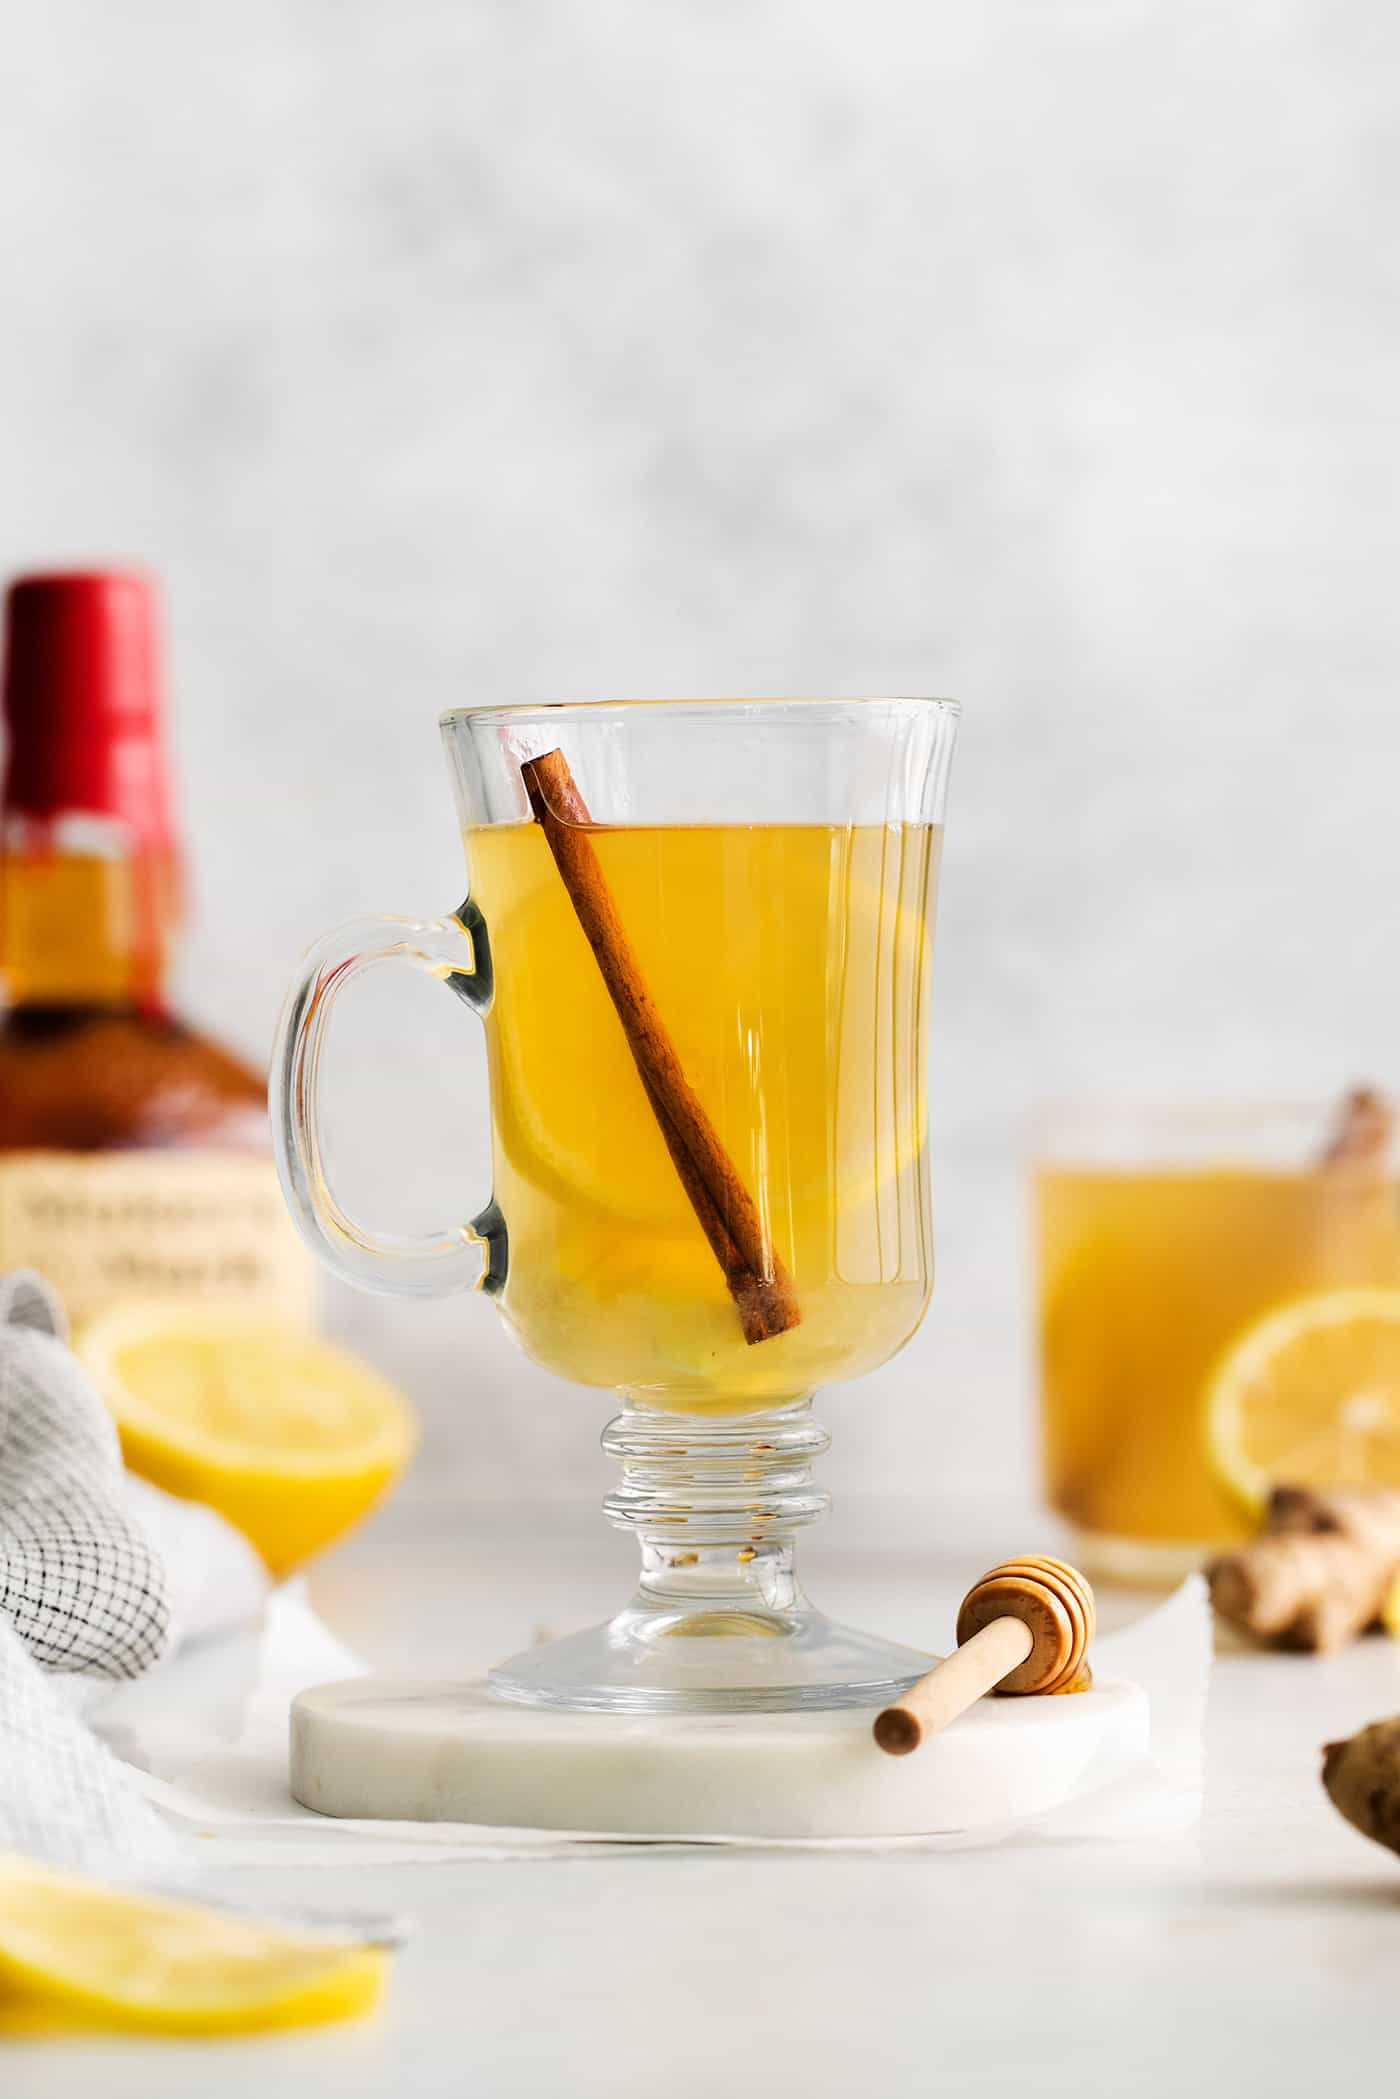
x: 1137, y: 1563
x: 719, y: 1622
x: 795, y: 1661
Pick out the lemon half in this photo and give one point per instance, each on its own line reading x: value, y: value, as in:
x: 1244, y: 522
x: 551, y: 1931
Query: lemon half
x: 289, y: 1437
x: 1310, y: 1396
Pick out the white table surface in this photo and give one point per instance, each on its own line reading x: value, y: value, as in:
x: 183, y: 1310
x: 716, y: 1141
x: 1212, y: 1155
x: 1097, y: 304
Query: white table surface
x: 1261, y: 1954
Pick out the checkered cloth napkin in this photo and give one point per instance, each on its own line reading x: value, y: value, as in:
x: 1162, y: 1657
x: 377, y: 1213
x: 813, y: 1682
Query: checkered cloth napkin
x: 82, y: 1594
x: 101, y: 1577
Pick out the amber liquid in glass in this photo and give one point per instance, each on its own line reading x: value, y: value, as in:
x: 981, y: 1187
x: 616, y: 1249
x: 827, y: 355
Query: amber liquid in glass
x: 790, y: 964
x: 1146, y: 1278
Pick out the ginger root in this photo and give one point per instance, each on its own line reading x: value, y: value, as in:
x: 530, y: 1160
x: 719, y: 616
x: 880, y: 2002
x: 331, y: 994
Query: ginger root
x: 1318, y: 1573
x: 1362, y: 1777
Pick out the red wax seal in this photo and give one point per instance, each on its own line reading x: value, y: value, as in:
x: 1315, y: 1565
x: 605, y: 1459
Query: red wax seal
x: 82, y: 702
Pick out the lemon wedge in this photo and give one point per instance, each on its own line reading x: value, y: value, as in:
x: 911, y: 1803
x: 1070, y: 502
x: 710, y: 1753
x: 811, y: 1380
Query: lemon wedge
x: 73, y: 1951
x: 289, y: 1437
x: 1310, y: 1395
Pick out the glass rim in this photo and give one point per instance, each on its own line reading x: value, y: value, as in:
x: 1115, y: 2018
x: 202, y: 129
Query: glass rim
x: 1070, y: 1130
x: 541, y: 711
x: 1202, y: 1111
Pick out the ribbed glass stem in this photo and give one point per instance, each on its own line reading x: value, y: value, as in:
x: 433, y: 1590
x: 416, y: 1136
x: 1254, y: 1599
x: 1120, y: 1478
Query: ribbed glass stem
x: 713, y: 1501
x: 718, y: 1622
x: 715, y: 1479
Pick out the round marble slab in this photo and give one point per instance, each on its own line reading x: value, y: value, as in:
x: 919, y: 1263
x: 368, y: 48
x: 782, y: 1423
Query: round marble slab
x: 376, y: 1749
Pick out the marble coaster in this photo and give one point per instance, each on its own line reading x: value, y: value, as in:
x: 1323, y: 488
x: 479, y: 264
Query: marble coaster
x: 380, y: 1750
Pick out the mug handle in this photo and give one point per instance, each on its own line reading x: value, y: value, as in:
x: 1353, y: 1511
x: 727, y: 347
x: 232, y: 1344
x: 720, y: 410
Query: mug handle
x: 431, y: 1264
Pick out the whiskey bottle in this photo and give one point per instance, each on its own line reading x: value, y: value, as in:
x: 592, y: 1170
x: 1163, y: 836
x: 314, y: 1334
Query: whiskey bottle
x: 134, y: 1151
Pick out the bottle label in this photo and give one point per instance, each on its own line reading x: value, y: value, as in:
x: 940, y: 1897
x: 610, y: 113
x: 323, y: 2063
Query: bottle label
x: 109, y: 1227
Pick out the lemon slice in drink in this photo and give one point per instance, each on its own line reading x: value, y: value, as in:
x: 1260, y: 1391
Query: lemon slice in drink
x: 1311, y: 1395
x: 290, y: 1438
x: 785, y: 963
x: 73, y: 1951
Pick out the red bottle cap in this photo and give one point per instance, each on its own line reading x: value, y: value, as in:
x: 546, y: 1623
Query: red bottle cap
x: 82, y: 701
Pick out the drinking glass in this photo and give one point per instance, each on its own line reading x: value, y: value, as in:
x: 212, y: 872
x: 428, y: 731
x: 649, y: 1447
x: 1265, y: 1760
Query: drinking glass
x: 1163, y: 1235
x: 698, y: 935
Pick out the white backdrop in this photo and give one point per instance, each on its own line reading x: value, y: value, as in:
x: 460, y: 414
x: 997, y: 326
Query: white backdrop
x: 1044, y: 354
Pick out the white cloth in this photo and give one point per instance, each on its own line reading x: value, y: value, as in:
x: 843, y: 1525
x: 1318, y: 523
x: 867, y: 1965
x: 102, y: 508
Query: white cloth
x: 64, y: 1796
x: 83, y: 1600
x: 80, y: 1586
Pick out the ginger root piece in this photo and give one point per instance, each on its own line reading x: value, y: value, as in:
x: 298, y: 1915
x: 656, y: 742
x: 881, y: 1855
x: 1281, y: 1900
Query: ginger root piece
x: 1362, y: 1777
x: 1318, y: 1573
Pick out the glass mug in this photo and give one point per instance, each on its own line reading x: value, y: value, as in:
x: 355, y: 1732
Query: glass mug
x: 698, y: 935
x: 1163, y: 1237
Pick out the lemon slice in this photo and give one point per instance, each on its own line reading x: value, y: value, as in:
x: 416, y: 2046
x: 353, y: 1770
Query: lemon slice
x: 290, y: 1438
x: 75, y: 1951
x: 1390, y: 1610
x: 802, y: 1051
x: 1310, y: 1395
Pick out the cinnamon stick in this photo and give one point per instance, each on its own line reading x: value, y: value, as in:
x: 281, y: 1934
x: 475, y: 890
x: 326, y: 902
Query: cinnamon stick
x: 1363, y: 1130
x: 726, y: 1211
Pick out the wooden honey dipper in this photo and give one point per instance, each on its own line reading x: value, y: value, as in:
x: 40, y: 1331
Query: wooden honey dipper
x: 1025, y: 1627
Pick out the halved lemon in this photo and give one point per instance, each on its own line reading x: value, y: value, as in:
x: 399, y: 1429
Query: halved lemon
x: 289, y: 1437
x: 1310, y: 1395
x: 73, y: 1951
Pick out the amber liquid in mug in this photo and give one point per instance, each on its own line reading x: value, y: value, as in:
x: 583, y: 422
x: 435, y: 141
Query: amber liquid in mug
x: 790, y: 963
x: 1146, y: 1278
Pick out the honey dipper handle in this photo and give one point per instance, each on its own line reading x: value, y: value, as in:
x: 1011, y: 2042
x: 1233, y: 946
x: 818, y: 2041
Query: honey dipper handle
x: 955, y: 1684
